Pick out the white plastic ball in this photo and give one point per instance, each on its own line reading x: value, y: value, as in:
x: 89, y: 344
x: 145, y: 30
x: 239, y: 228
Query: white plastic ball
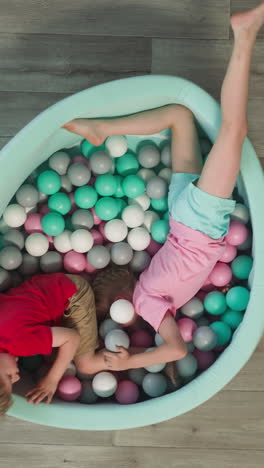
x: 149, y: 218
x: 14, y: 237
x: 81, y: 240
x: 240, y: 213
x: 82, y: 219
x: 115, y: 230
x: 29, y: 265
x: 66, y: 184
x: 14, y: 215
x: 62, y: 242
x: 122, y: 311
x: 51, y: 262
x: 10, y: 258
x: 157, y: 188
x: 133, y: 216
x: 106, y: 326
x: 149, y: 156
x: 143, y: 201
x: 116, y: 145
x: 140, y: 261
x: 37, y: 244
x: 27, y: 195
x: 79, y: 174
x: 104, y: 384
x: 139, y: 238
x: 166, y: 155
x: 116, y: 338
x: 121, y: 253
x: 166, y: 174
x: 158, y: 339
x: 100, y: 162
x: 5, y: 280
x: 193, y: 308
x: 146, y: 174
x: 155, y: 367
x: 59, y: 162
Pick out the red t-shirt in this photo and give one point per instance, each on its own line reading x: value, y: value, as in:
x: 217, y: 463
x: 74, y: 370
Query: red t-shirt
x: 28, y: 312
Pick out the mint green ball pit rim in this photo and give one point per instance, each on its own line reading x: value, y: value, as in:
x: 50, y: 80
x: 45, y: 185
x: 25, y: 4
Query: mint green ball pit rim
x: 41, y: 138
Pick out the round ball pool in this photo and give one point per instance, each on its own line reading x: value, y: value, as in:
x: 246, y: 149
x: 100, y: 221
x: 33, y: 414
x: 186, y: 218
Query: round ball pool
x: 40, y: 139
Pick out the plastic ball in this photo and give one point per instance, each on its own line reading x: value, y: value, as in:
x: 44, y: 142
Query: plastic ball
x: 187, y: 328
x: 215, y: 303
x: 133, y: 186
x: 121, y: 206
x: 190, y: 346
x: 146, y: 174
x: 79, y: 174
x: 240, y: 213
x: 115, y: 230
x: 133, y: 216
x: 86, y: 148
x: 14, y: 237
x: 127, y: 392
x: 82, y: 219
x: 14, y: 215
x: 66, y: 184
x: 60, y: 202
x: 160, y: 230
x: 241, y: 266
x: 153, y: 247
x: 237, y: 233
x: 165, y: 174
x: 87, y: 395
x: 5, y: 280
x: 156, y: 188
x: 138, y: 238
x: 81, y: 240
x: 137, y: 375
x: 204, y: 338
x: 221, y: 274
x: 85, y: 197
x: 51, y: 262
x: 69, y: 388
x: 193, y: 308
x: 116, y: 145
x: 98, y: 256
x: 154, y: 385
x: 202, y: 321
x: 143, y: 201
x: 74, y: 262
x: 116, y: 338
x: 27, y: 195
x: 29, y: 265
x: 100, y: 162
x: 3, y: 226
x: 59, y: 162
x: 106, y: 208
x: 127, y: 164
x: 223, y: 332
x: 37, y: 244
x: 104, y: 384
x: 106, y: 326
x: 119, y: 192
x: 204, y: 358
x: 187, y: 366
x: 160, y: 204
x: 106, y: 185
x: 121, y: 253
x: 141, y: 338
x: 149, y: 219
x: 53, y: 224
x: 233, y: 318
x: 10, y: 257
x: 158, y: 339
x: 122, y: 311
x: 140, y: 261
x: 166, y: 155
x: 229, y: 253
x: 237, y: 298
x: 62, y: 242
x: 49, y: 182
x: 155, y: 368
x: 247, y: 244
x: 149, y: 156
x: 97, y: 237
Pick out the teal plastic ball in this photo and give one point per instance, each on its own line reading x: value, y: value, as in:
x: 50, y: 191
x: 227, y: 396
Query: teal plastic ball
x: 232, y: 318
x: 223, y: 332
x: 237, y: 298
x: 119, y: 192
x: 127, y: 164
x: 60, y: 202
x: 88, y: 149
x: 85, y: 197
x: 187, y: 366
x: 49, y: 182
x: 53, y: 224
x: 154, y: 385
x: 160, y: 204
x: 106, y: 185
x: 133, y: 186
x: 166, y: 216
x: 215, y: 303
x: 121, y: 206
x: 241, y: 266
x: 160, y: 230
x: 107, y: 208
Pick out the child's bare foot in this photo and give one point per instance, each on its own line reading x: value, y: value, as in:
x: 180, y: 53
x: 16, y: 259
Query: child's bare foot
x: 90, y: 129
x: 249, y: 21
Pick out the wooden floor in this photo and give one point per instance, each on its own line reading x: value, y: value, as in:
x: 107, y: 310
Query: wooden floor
x: 50, y: 49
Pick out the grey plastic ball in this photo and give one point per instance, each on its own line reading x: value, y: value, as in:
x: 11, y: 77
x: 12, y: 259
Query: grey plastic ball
x: 154, y: 385
x: 51, y: 262
x: 98, y: 256
x: 87, y: 394
x: 166, y: 155
x: 193, y: 308
x: 59, y: 162
x: 204, y: 338
x: 121, y: 253
x: 5, y: 279
x: 82, y: 219
x: 29, y: 265
x: 10, y: 258
x: 187, y: 366
x: 149, y: 156
x: 100, y: 162
x: 157, y: 188
x: 137, y: 375
x: 106, y: 326
x: 79, y: 174
x: 27, y: 195
x: 140, y: 261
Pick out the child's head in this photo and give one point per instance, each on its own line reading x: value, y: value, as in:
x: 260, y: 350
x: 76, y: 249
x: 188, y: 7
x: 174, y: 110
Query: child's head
x: 9, y: 374
x: 109, y: 284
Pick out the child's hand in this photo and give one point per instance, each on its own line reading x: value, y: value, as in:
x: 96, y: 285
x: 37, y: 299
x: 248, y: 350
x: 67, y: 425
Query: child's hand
x: 45, y: 388
x: 117, y: 361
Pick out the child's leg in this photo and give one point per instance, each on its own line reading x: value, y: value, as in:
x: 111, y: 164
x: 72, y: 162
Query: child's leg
x: 222, y: 166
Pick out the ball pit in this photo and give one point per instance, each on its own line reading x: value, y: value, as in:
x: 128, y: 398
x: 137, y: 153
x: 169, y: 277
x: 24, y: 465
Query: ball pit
x: 40, y: 140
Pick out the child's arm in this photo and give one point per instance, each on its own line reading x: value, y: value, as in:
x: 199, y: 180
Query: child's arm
x: 67, y: 340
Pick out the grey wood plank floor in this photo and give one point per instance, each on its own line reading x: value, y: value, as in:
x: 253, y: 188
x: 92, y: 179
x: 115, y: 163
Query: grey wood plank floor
x: 49, y: 50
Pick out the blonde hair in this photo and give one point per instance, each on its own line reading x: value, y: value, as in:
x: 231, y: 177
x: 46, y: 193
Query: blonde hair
x: 5, y: 398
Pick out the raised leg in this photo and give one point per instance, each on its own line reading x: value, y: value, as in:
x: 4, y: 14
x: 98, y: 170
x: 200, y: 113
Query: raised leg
x: 221, y: 169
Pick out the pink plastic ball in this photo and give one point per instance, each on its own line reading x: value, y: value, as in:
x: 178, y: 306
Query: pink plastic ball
x: 73, y: 204
x: 69, y: 388
x: 237, y: 233
x: 101, y: 229
x: 141, y: 338
x: 80, y: 159
x: 97, y: 237
x: 221, y: 274
x: 89, y: 268
x: 33, y: 223
x: 187, y: 328
x: 153, y: 247
x: 74, y: 262
x: 44, y: 209
x: 207, y: 286
x: 51, y: 242
x: 229, y: 253
x: 97, y: 220
x: 204, y: 358
x: 127, y: 392
x: 201, y: 295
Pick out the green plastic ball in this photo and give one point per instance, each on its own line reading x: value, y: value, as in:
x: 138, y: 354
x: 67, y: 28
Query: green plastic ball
x: 215, y: 303
x: 106, y: 185
x: 53, y: 224
x: 160, y: 204
x: 85, y: 196
x: 232, y: 318
x: 237, y: 298
x: 88, y: 149
x: 31, y: 363
x: 160, y: 230
x: 107, y: 208
x: 133, y: 186
x: 166, y: 216
x: 223, y: 332
x: 60, y: 202
x: 119, y: 193
x: 127, y: 164
x: 49, y: 182
x: 121, y: 206
x: 241, y: 266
